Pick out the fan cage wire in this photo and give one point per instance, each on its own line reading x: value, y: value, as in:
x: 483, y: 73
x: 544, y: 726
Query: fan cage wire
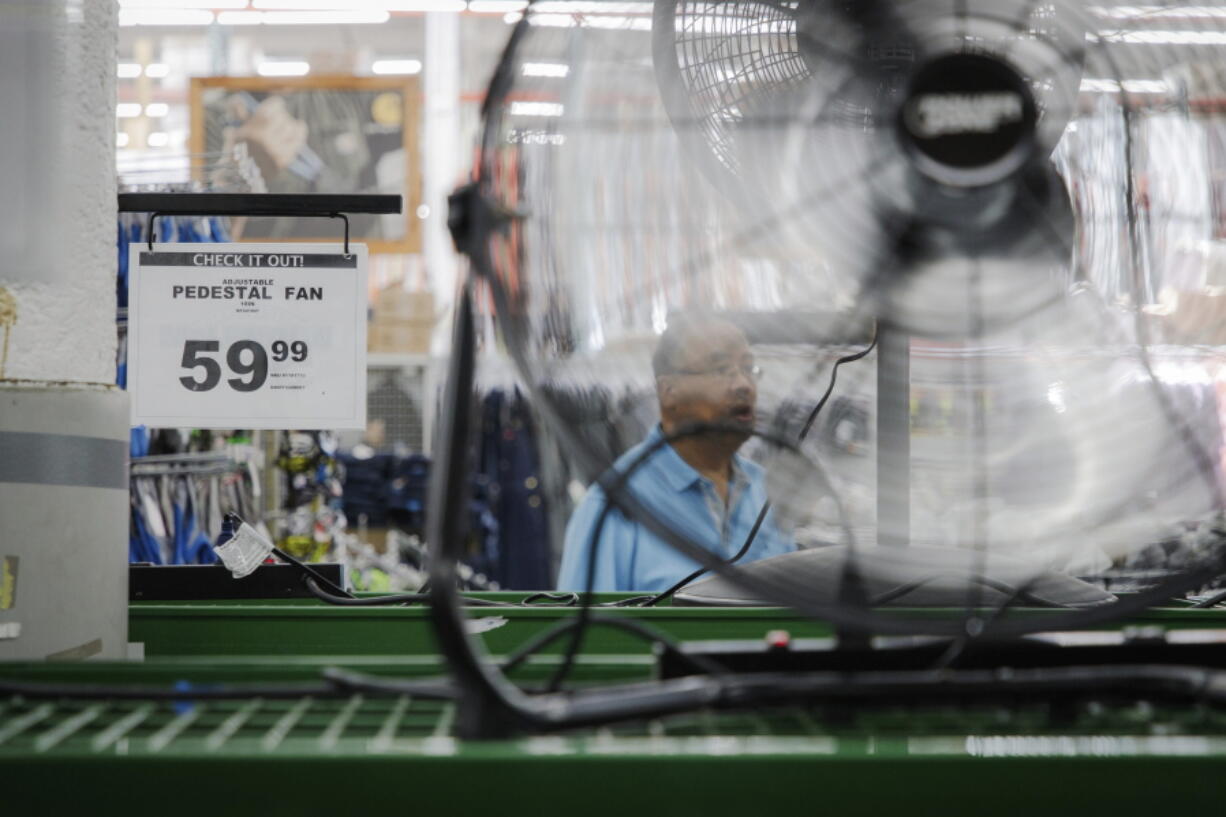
x: 859, y: 620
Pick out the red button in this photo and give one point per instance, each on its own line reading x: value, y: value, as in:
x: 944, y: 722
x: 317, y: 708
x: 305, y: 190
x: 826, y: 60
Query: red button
x: 779, y: 639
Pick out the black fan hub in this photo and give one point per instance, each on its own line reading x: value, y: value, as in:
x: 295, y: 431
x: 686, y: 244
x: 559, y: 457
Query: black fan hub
x: 968, y: 120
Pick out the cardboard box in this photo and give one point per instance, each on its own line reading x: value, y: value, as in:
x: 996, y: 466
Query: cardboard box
x: 400, y: 338
x: 396, y: 304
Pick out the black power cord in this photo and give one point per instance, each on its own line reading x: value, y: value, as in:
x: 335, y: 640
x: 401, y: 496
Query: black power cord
x: 534, y: 600
x: 383, y: 601
x: 235, y: 522
x: 313, y: 576
x: 1178, y: 683
x: 543, y: 640
x: 613, y: 483
x: 333, y: 686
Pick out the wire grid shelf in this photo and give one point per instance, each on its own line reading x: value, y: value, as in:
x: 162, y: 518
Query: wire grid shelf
x: 305, y: 726
x: 361, y: 725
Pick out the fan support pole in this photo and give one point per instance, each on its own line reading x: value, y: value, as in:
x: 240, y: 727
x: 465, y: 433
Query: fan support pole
x: 893, y: 437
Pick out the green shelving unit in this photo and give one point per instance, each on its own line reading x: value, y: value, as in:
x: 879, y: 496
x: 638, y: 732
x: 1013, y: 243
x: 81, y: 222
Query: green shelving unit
x: 342, y: 753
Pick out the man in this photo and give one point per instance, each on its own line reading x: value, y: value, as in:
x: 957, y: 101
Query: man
x: 698, y: 485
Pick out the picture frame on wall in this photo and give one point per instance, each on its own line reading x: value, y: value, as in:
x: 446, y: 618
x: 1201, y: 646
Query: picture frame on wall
x: 318, y: 134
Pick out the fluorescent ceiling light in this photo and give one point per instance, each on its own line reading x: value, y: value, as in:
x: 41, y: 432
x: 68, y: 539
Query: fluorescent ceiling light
x: 1158, y: 12
x: 1132, y: 86
x: 396, y: 67
x: 334, y: 17
x: 589, y: 7
x: 283, y: 68
x: 240, y: 18
x: 165, y: 17
x: 536, y: 109
x: 1163, y: 37
x: 121, y: 140
x: 127, y: 110
x: 182, y: 4
x: 610, y: 22
x: 496, y: 6
x: 159, y: 139
x: 362, y: 5
x: 326, y: 18
x: 546, y: 69
x: 428, y: 5
x: 157, y: 110
x: 128, y: 70
x: 157, y: 70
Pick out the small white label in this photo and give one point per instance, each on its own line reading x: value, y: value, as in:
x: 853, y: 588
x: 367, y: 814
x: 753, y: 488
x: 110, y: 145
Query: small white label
x: 245, y: 552
x: 10, y: 630
x: 248, y: 336
x: 476, y: 626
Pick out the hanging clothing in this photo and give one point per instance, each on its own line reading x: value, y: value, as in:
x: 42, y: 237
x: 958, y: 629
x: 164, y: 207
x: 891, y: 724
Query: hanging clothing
x: 511, y: 473
x: 629, y: 557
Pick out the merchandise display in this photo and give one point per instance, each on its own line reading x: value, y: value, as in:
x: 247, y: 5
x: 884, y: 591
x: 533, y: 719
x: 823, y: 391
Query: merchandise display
x: 671, y: 405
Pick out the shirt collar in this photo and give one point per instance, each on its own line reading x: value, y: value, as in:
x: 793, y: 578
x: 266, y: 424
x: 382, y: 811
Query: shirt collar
x: 678, y: 473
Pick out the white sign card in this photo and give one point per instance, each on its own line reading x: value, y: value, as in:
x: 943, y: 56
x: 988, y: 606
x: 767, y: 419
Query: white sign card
x: 248, y: 336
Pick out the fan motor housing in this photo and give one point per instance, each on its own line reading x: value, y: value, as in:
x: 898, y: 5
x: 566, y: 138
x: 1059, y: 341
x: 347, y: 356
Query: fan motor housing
x: 968, y: 120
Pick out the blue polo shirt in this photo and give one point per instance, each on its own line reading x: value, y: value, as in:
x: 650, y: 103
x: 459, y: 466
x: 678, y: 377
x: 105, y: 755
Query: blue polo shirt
x: 632, y: 558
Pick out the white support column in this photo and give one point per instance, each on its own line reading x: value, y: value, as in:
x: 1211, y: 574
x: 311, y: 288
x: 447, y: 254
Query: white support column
x: 57, y: 171
x: 443, y: 157
x: 63, y: 424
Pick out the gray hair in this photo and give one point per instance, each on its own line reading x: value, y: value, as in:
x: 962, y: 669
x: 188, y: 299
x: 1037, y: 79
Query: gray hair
x: 681, y: 327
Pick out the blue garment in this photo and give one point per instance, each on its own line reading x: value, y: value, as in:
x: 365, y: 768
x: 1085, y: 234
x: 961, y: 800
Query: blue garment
x: 632, y: 558
x: 519, y: 556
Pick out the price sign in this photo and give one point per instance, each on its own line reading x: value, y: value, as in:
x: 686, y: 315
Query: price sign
x: 248, y: 336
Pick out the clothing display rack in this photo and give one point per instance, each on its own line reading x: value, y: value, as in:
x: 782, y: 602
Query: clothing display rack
x: 178, y: 501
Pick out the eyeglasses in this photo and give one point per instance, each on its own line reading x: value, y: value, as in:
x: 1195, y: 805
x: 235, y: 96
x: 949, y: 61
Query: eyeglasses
x: 751, y: 373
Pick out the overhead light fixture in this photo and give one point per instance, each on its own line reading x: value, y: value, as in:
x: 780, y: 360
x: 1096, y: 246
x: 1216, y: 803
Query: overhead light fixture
x: 546, y: 69
x: 159, y: 139
x: 331, y: 17
x: 240, y: 18
x: 396, y: 67
x: 165, y: 17
x: 342, y: 17
x: 1132, y: 86
x: 157, y: 110
x: 587, y: 20
x: 1155, y: 37
x: 362, y: 5
x: 589, y: 7
x: 157, y: 70
x: 496, y: 6
x: 176, y: 5
x: 128, y: 110
x: 537, y: 109
x: 121, y: 140
x: 1158, y: 12
x: 128, y: 70
x: 428, y: 5
x: 283, y: 68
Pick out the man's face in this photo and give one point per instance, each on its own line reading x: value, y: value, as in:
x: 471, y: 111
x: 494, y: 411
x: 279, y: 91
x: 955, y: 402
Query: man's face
x: 714, y: 382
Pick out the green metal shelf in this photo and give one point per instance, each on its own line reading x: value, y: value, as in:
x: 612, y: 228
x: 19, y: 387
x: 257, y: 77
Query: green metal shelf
x: 360, y: 725
x: 311, y: 628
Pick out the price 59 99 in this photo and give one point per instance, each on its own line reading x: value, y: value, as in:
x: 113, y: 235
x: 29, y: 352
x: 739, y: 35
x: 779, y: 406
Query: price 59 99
x: 248, y: 359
